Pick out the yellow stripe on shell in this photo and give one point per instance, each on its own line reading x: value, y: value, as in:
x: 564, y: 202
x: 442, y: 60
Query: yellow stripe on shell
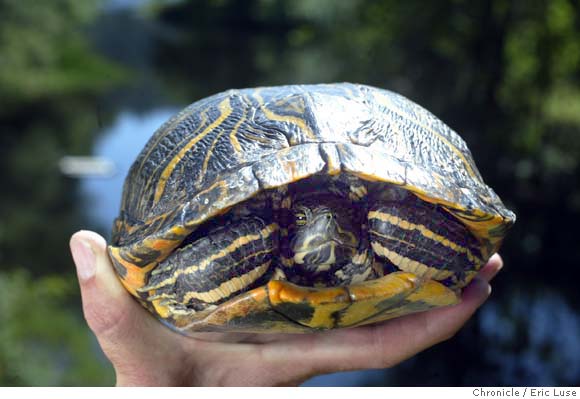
x: 225, y: 111
x: 284, y: 118
x: 256, y: 135
x: 389, y: 104
x: 406, y: 225
x: 153, y: 173
x: 233, y: 139
x: 169, y: 128
x: 292, y: 106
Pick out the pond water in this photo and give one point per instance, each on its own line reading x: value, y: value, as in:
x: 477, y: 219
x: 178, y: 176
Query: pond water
x: 119, y: 143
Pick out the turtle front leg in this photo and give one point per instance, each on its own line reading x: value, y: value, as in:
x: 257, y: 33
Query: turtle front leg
x: 424, y: 239
x: 225, y: 262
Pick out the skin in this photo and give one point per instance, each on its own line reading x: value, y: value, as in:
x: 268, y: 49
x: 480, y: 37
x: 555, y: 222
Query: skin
x: 146, y: 353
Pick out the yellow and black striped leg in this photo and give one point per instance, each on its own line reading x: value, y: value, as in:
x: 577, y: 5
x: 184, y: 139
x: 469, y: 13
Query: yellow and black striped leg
x: 424, y: 239
x: 227, y: 261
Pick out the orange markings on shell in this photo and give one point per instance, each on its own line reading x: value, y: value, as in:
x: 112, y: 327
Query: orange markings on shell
x: 134, y: 277
x: 283, y: 292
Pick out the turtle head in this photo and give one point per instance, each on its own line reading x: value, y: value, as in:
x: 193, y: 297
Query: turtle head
x: 324, y: 232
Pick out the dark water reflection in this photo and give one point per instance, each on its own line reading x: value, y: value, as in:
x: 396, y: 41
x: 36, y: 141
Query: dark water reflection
x: 535, y: 338
x: 528, y: 333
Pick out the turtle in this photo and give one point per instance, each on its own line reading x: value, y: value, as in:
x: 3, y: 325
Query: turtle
x: 302, y: 208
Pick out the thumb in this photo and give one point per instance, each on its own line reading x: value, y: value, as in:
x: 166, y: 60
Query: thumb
x: 111, y: 313
x: 129, y: 335
x: 106, y: 303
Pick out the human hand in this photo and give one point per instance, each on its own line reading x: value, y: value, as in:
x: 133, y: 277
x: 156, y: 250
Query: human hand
x: 146, y: 353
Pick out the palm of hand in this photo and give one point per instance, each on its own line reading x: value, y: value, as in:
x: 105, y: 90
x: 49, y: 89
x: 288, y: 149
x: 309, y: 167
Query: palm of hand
x: 144, y: 352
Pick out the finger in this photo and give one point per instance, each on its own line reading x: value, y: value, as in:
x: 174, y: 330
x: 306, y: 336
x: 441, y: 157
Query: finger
x: 129, y: 336
x: 445, y: 322
x: 111, y: 313
x: 491, y: 268
x: 106, y: 304
x: 132, y: 339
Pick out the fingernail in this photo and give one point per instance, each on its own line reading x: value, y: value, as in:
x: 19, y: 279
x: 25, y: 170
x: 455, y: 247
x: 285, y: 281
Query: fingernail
x: 498, y: 259
x: 84, y: 258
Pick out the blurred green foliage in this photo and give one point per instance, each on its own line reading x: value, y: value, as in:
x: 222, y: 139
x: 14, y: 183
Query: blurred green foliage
x: 45, y: 54
x: 43, y: 342
x: 50, y: 80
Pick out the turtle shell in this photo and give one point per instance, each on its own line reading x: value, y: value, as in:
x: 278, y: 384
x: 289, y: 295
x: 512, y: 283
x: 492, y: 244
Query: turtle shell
x: 225, y: 149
